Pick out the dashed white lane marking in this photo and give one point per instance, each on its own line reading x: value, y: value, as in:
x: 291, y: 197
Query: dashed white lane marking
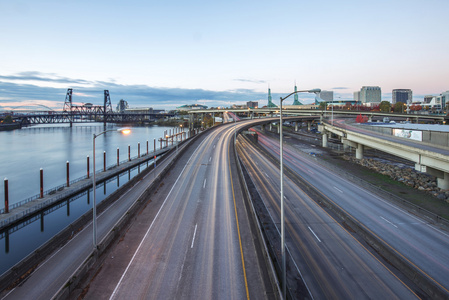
x: 338, y: 189
x: 194, y: 234
x: 314, y: 234
x: 388, y: 221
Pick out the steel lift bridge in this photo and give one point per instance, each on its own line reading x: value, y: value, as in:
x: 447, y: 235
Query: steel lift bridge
x: 86, y: 113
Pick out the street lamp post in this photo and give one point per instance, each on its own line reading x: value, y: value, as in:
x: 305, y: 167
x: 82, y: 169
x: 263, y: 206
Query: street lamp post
x: 281, y: 153
x: 235, y: 129
x: 94, y: 205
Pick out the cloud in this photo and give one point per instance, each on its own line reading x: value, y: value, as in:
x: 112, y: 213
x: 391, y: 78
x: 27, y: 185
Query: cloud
x: 29, y: 86
x: 250, y: 80
x: 340, y: 88
x: 17, y: 88
x: 43, y: 77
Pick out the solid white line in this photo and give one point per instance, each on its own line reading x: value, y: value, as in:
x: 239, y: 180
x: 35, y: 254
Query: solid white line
x: 151, y: 226
x: 388, y: 222
x: 194, y: 233
x: 204, y: 184
x: 314, y: 234
x: 266, y: 175
x: 338, y: 189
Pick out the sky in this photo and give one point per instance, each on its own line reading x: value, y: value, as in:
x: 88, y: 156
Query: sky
x: 164, y: 54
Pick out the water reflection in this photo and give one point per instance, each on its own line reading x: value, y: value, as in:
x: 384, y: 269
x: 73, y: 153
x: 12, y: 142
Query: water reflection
x: 51, y: 146
x: 22, y: 239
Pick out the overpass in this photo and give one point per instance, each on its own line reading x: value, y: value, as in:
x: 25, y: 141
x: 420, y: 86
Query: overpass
x: 427, y: 158
x: 296, y: 110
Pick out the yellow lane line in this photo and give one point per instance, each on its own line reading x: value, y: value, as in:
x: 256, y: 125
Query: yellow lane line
x: 238, y: 227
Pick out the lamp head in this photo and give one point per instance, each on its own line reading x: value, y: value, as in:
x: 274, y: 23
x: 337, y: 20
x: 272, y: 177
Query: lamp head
x: 125, y: 131
x: 316, y: 91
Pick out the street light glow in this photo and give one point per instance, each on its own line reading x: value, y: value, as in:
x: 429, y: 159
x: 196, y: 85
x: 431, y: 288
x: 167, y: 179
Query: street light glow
x: 125, y: 131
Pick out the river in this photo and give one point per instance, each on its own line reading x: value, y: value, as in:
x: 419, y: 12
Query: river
x: 24, y: 151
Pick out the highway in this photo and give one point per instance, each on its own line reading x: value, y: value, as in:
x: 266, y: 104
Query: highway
x: 194, y: 240
x: 198, y: 244
x: 333, y: 264
x: 419, y: 242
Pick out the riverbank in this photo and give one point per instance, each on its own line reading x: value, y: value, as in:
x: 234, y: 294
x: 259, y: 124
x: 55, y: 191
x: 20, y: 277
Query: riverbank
x: 11, y: 126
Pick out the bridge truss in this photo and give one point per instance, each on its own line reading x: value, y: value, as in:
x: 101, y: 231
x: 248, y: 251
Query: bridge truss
x: 85, y: 114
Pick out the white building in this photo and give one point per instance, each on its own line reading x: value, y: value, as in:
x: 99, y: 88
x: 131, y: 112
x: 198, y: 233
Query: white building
x: 370, y: 94
x: 436, y: 102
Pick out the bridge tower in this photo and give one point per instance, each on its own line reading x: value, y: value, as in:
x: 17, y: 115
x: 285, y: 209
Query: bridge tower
x: 68, y: 105
x: 107, y: 106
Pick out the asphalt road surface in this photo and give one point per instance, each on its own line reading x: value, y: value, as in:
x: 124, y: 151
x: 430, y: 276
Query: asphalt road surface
x: 418, y: 241
x: 194, y: 240
x: 333, y: 264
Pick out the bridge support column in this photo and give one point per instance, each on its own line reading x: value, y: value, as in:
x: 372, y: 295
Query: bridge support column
x: 347, y: 144
x: 309, y: 125
x: 296, y: 126
x: 279, y: 128
x: 443, y: 183
x: 271, y: 126
x: 359, y: 151
x: 324, y: 139
x: 442, y: 177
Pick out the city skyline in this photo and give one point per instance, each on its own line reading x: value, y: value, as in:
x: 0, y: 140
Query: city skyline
x: 169, y: 54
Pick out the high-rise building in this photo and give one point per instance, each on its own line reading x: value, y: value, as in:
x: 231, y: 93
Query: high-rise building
x: 327, y: 95
x: 370, y: 94
x: 357, y: 96
x: 402, y: 95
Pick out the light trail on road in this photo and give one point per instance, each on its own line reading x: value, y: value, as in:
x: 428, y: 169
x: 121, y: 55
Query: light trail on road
x: 414, y: 239
x: 334, y: 265
x: 195, y: 247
